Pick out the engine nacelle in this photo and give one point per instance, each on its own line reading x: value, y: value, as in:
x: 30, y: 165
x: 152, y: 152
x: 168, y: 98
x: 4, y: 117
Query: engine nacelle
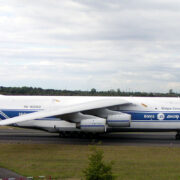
x: 94, y: 125
x: 119, y: 120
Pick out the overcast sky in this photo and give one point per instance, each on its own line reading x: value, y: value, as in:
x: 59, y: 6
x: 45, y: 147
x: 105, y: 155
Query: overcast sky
x: 82, y: 44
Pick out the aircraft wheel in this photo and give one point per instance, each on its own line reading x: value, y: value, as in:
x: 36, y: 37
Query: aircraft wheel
x: 78, y: 135
x: 83, y: 135
x: 60, y: 134
x: 95, y: 136
x: 88, y: 135
x: 75, y: 134
x: 178, y: 136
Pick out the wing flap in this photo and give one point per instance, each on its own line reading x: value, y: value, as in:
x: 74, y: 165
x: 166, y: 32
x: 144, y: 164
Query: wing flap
x: 62, y: 110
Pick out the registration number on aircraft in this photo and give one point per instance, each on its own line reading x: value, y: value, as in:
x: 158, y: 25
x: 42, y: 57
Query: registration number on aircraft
x: 33, y: 106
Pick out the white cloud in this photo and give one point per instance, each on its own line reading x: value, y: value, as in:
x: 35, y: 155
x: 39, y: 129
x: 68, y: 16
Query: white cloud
x: 77, y: 44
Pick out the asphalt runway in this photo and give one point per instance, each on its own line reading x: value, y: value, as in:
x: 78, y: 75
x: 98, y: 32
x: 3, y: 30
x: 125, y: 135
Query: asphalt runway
x: 5, y: 173
x: 11, y: 135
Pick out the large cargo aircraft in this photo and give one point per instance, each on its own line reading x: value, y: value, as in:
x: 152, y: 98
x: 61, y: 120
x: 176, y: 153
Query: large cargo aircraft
x: 72, y: 115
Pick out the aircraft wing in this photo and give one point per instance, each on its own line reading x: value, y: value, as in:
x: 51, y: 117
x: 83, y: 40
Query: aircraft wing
x: 68, y: 109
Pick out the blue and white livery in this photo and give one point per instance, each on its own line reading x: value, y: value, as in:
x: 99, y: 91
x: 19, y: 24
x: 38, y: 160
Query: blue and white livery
x: 75, y: 114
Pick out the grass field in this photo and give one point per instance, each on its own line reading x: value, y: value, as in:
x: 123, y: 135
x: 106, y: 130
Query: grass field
x: 67, y: 161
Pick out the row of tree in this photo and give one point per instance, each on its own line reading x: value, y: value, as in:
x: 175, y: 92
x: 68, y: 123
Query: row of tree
x: 92, y: 92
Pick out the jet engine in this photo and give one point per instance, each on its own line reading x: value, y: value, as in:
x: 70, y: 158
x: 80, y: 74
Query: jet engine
x: 95, y: 125
x: 113, y: 118
x: 87, y: 123
x: 119, y: 120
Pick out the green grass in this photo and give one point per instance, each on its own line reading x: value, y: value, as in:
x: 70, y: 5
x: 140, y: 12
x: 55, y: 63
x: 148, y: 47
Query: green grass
x: 67, y: 161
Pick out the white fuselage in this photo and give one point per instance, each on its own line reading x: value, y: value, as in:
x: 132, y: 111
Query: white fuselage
x: 147, y: 113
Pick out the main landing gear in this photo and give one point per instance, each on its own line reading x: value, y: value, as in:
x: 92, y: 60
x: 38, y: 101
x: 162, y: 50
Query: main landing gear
x: 178, y: 136
x: 66, y: 134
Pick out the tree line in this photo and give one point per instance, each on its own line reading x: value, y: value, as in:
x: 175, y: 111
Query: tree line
x: 93, y: 92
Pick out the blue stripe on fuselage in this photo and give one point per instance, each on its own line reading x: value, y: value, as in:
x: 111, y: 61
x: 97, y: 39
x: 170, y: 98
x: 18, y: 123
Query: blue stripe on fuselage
x: 13, y: 113
x: 136, y: 115
x: 153, y: 115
